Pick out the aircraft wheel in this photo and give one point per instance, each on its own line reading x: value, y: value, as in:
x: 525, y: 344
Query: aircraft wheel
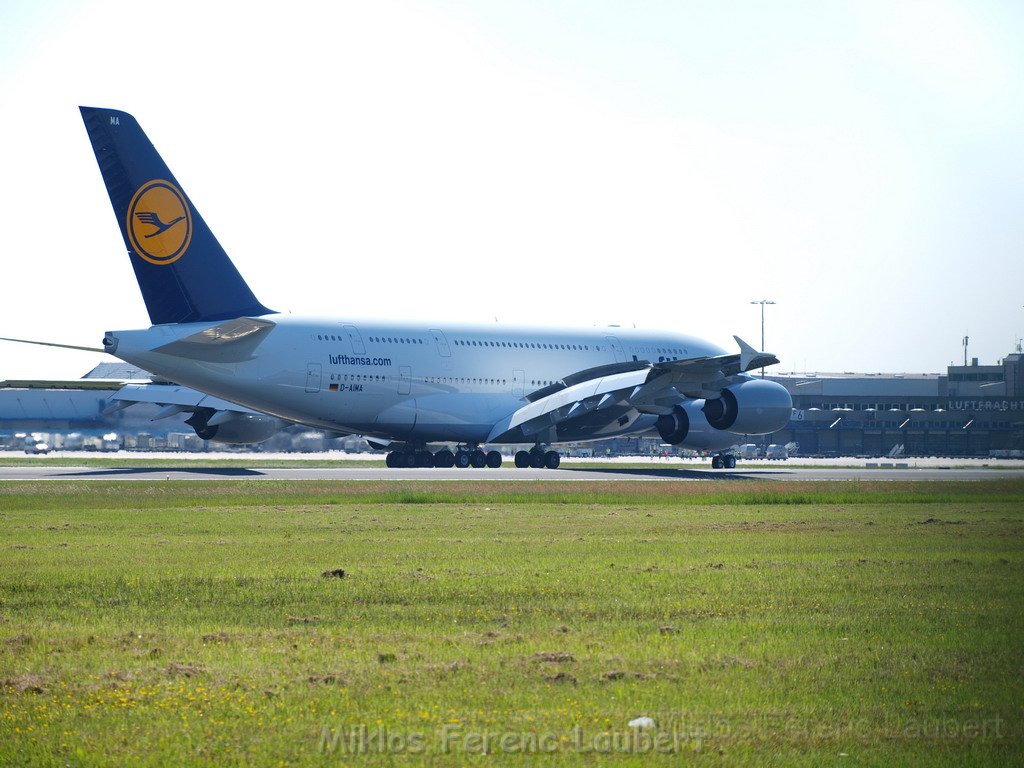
x: 424, y: 459
x: 552, y: 459
x: 389, y: 460
x: 408, y: 459
x: 462, y: 459
x: 716, y: 462
x: 478, y: 459
x: 444, y: 459
x: 522, y: 459
x: 493, y: 459
x: 730, y: 462
x: 537, y: 459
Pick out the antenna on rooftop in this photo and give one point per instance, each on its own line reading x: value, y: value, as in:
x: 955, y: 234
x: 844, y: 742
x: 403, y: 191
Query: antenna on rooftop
x: 966, y: 340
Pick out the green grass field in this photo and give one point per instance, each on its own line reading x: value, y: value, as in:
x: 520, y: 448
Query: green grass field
x: 805, y: 624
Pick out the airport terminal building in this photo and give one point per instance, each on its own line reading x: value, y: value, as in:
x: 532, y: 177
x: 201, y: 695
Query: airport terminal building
x: 970, y: 410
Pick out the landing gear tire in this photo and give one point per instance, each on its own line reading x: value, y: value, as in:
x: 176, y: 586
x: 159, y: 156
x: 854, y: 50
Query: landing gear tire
x: 389, y: 460
x: 716, y: 462
x: 537, y: 459
x: 552, y: 459
x: 730, y: 462
x: 522, y: 459
x: 444, y: 459
x: 462, y: 459
x: 424, y: 459
x: 493, y: 459
x: 478, y: 459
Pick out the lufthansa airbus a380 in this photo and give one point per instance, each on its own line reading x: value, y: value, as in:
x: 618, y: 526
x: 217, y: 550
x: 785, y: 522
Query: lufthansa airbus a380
x: 243, y: 372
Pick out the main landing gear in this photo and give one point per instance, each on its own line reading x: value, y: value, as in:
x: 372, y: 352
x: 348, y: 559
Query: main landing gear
x: 723, y: 461
x: 538, y: 458
x: 465, y: 456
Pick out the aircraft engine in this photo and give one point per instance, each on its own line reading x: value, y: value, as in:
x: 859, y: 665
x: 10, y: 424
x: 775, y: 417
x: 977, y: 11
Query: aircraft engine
x: 673, y: 427
x: 233, y: 427
x: 688, y: 426
x: 752, y: 407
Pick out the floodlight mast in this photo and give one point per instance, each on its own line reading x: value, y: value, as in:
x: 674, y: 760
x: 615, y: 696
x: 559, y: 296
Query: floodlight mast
x: 762, y: 302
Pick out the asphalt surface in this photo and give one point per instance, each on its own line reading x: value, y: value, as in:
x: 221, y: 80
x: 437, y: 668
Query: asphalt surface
x: 566, y: 472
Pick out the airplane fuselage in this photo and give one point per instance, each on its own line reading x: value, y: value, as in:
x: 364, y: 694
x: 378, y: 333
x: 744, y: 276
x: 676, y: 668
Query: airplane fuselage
x: 424, y: 382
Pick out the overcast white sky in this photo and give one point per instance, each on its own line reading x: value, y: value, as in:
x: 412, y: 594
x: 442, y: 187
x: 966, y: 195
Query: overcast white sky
x: 656, y: 163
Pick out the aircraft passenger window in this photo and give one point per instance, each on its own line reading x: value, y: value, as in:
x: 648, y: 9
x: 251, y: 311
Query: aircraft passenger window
x: 321, y: 338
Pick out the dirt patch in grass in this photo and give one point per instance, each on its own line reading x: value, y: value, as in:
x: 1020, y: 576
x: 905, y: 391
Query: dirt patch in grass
x: 555, y: 657
x: 26, y: 683
x: 561, y: 677
x: 175, y: 669
x: 331, y: 678
x: 18, y: 642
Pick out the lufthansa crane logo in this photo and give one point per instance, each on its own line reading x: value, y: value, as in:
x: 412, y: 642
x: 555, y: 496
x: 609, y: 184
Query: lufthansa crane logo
x: 159, y: 222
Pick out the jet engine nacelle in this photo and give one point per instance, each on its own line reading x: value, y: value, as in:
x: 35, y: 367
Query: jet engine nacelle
x: 752, y: 407
x: 687, y: 426
x: 234, y: 427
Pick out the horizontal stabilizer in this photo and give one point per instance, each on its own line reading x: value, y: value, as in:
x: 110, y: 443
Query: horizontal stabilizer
x: 233, y: 341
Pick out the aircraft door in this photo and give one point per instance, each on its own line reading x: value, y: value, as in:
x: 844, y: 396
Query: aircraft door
x: 355, y: 338
x: 442, y: 343
x: 314, y: 374
x: 404, y: 380
x: 518, y: 383
x: 620, y: 354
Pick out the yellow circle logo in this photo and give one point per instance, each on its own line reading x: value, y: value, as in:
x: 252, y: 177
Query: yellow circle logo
x: 159, y: 222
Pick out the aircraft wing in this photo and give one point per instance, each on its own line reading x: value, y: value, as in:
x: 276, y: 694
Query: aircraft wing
x: 644, y: 386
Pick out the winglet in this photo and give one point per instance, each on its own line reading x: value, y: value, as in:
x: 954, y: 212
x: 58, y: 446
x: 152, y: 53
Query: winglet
x: 750, y: 358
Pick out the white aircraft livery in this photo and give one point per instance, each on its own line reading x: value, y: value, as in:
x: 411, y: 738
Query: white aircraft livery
x: 432, y: 393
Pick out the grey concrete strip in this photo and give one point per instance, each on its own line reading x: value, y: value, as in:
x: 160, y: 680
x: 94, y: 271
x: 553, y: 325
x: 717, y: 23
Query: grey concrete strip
x: 47, y: 472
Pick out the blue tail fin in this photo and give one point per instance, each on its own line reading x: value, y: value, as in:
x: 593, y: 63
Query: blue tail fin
x: 184, y: 274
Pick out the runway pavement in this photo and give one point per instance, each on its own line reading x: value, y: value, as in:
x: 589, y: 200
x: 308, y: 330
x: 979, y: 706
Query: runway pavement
x: 567, y: 472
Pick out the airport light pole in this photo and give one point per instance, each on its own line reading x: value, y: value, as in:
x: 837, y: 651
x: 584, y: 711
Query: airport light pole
x: 762, y: 302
